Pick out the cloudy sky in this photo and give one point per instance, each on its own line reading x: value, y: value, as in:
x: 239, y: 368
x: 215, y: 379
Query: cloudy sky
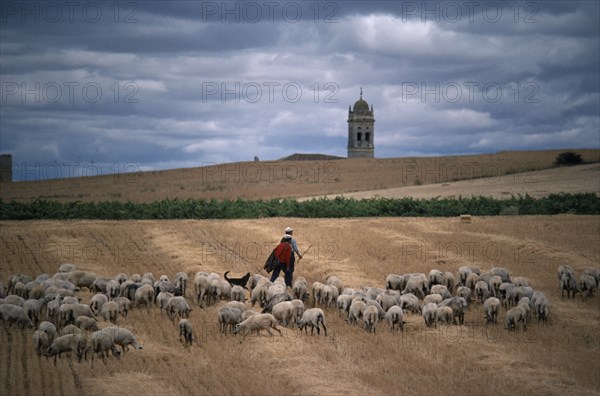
x: 147, y: 85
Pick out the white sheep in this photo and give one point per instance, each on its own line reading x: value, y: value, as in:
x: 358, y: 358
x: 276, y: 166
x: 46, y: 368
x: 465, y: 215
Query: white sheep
x: 284, y: 312
x: 41, y: 342
x: 317, y: 290
x: 432, y: 298
x: 145, y: 295
x: 395, y: 316
x: 441, y: 290
x: 49, y: 328
x: 97, y: 301
x: 124, y: 305
x: 495, y: 282
x: 514, y: 316
x: 85, y: 323
x: 501, y: 272
x: 186, y: 332
x: 14, y: 314
x: 236, y: 304
x: 388, y: 299
x: 67, y: 267
x: 587, y: 284
x: 67, y: 343
x: 300, y: 289
x: 463, y: 272
x: 449, y: 280
x: 82, y: 279
x: 110, y: 311
x: 259, y: 294
x: 201, y: 288
x: 435, y: 277
x: 464, y: 292
x: 491, y: 308
x: 542, y: 308
x: 417, y: 284
x: 594, y: 273
x: 298, y: 308
x: 394, y: 282
x: 181, y: 279
x: 32, y: 308
x: 71, y: 329
x: 343, y: 304
x: 329, y: 295
x: 410, y: 302
x: 472, y: 280
x: 430, y: 314
x: 507, y: 293
x: 313, y: 317
x: 257, y: 323
x: 163, y: 299
x: 178, y: 306
x: 445, y: 315
x: 333, y: 280
x: 458, y: 305
x: 520, y: 281
x: 228, y: 317
x: 482, y: 290
x: 238, y: 293
x: 220, y: 290
x: 370, y: 318
x: 355, y: 313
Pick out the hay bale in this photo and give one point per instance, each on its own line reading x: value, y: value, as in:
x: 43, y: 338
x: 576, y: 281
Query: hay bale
x: 465, y: 218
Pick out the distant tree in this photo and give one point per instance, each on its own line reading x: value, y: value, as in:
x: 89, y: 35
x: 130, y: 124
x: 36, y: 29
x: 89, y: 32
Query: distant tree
x: 568, y: 158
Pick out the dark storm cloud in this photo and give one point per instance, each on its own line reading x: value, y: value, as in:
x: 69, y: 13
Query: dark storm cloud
x: 169, y: 84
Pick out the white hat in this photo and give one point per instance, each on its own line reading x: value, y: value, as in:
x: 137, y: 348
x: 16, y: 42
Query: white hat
x: 288, y: 230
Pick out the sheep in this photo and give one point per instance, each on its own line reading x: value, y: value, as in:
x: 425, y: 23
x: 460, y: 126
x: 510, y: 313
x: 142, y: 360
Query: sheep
x: 19, y: 290
x: 370, y: 318
x: 395, y: 316
x: 506, y: 293
x: 411, y: 302
x: 482, y: 291
x: 67, y: 267
x: 162, y: 299
x: 430, y: 314
x: 228, y: 317
x: 388, y: 299
x: 136, y: 278
x: 255, y: 280
x: 300, y: 289
x: 69, y: 312
x: 33, y: 308
x: 10, y: 314
x: 99, y: 285
x: 48, y: 328
x: 491, y: 308
x: 587, y: 284
x: 333, y: 280
x: 128, y: 289
x: 458, y: 305
x: 464, y: 292
x: 525, y: 303
x: 238, y: 293
x: 495, y: 283
x: 394, y: 282
x: 178, y: 306
x: 97, y: 301
x: 329, y: 295
x: 247, y: 313
x: 372, y: 292
x: 520, y: 281
x: 355, y: 313
x: 432, y: 298
x: 449, y: 280
x: 67, y: 343
x: 317, y: 290
x: 564, y: 269
x: 312, y: 317
x: 501, y: 272
x: 417, y: 285
x: 284, y: 312
x: 16, y: 278
x: 82, y: 279
x: 14, y: 300
x: 101, y: 342
x: 256, y: 323
x: 444, y: 315
x: 542, y: 307
x: 145, y: 295
x: 181, y: 279
x: 201, y: 288
x: 514, y: 316
x: 236, y: 304
x: 113, y: 288
x: 124, y: 305
x: 70, y: 300
x: 41, y: 342
x: 441, y: 290
x: 109, y: 311
x: 343, y: 304
x: 298, y: 308
x: 435, y: 277
x: 220, y: 289
x: 2, y: 290
x: 276, y: 300
x: 522, y: 291
x: 471, y: 281
x: 186, y: 332
x: 463, y: 272
x: 594, y: 273
x: 122, y: 337
x: 85, y: 323
x: 259, y: 294
x: 71, y: 329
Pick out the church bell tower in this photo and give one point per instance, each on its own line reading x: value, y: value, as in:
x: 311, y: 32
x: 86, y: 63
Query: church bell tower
x: 361, y: 130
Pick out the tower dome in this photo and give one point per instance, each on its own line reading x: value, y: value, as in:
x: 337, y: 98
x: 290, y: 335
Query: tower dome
x: 361, y: 106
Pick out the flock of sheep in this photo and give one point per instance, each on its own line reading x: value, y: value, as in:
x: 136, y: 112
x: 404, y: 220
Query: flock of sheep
x: 440, y: 297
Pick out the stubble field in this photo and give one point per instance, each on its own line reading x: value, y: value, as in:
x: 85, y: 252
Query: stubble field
x: 560, y: 358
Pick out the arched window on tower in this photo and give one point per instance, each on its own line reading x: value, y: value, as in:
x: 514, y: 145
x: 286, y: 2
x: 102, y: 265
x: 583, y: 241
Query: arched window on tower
x: 358, y: 137
x: 367, y: 137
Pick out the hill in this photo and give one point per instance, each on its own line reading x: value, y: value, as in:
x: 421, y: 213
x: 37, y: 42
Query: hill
x: 279, y: 179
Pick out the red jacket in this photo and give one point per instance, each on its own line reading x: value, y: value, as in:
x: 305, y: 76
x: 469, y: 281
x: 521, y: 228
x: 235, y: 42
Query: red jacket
x: 283, y: 252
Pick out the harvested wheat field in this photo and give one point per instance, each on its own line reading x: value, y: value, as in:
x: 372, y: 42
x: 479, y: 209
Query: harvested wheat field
x: 558, y: 358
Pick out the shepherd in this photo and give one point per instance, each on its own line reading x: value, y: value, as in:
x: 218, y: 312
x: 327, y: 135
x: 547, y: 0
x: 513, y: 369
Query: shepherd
x: 283, y: 253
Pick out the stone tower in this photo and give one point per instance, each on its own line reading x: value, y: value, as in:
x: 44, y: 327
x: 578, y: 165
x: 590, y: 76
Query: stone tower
x: 361, y: 130
x: 6, y: 168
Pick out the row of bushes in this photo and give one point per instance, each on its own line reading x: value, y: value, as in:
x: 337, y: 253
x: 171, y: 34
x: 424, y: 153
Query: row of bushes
x: 315, y: 208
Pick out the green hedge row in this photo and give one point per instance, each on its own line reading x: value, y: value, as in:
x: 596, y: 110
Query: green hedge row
x: 315, y: 208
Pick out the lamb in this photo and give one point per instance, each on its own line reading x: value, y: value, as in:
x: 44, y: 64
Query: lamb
x: 109, y: 311
x: 313, y: 317
x: 186, y: 332
x: 370, y: 318
x: 587, y: 284
x: 10, y: 314
x: 430, y: 314
x: 238, y: 293
x: 256, y: 323
x: 85, y: 323
x: 395, y: 316
x: 228, y: 317
x: 441, y: 290
x: 145, y: 296
x: 356, y: 311
x: 514, y: 316
x: 491, y: 308
x: 284, y: 312
x: 178, y: 306
x: 41, y: 342
x: 444, y: 315
x: 67, y: 343
x: 300, y: 289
